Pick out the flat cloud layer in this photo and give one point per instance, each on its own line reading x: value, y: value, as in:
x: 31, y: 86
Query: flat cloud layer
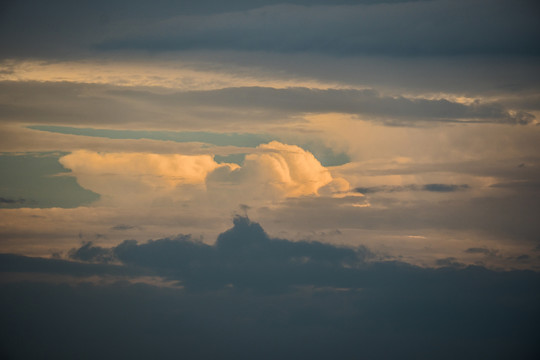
x: 392, y: 27
x: 76, y: 104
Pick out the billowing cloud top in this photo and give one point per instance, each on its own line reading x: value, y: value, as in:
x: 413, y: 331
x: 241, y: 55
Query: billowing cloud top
x: 274, y: 170
x: 252, y: 296
x: 244, y: 256
x: 288, y: 168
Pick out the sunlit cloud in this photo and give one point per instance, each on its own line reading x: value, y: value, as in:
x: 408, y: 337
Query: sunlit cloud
x: 274, y: 171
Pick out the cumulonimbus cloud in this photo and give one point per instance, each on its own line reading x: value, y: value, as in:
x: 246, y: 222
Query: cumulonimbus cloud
x: 273, y: 170
x: 153, y: 169
x: 288, y: 169
x: 251, y: 286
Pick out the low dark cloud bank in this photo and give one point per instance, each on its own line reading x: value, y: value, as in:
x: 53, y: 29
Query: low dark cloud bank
x: 243, y: 257
x: 11, y: 202
x: 442, y: 188
x: 250, y: 296
x: 396, y: 28
x: 366, y: 103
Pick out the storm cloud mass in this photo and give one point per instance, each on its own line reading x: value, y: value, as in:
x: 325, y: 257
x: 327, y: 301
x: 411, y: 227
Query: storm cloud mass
x: 249, y: 295
x: 385, y: 151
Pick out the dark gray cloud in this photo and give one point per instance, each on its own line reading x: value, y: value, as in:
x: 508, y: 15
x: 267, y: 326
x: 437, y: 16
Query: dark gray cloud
x: 530, y: 185
x: 523, y: 257
x: 443, y: 188
x: 79, y: 104
x: 477, y: 251
x: 450, y: 262
x: 332, y: 308
x: 490, y: 30
x: 11, y: 263
x: 463, y: 75
x: 122, y: 227
x: 89, y: 252
x: 501, y: 216
x: 63, y: 103
x: 482, y: 251
x: 361, y: 102
x: 324, y: 154
x: 508, y: 214
x: 410, y: 28
x: 11, y: 202
x: 506, y: 170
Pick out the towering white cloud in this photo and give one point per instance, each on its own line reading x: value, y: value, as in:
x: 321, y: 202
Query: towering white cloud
x: 125, y: 177
x: 273, y: 171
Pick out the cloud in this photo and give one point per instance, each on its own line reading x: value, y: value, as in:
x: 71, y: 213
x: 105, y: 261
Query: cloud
x: 531, y: 185
x: 12, y: 263
x: 523, y: 257
x: 393, y: 27
x: 450, y: 262
x: 11, y: 202
x: 244, y: 256
x: 324, y: 154
x: 248, y: 288
x: 442, y: 188
x: 482, y: 251
x: 264, y: 104
x: 272, y: 171
x: 89, y: 252
x: 214, y: 138
x: 361, y: 102
x: 122, y: 227
x: 118, y: 176
x: 491, y: 217
x: 94, y: 105
x: 367, y: 103
x: 138, y: 321
x: 402, y: 29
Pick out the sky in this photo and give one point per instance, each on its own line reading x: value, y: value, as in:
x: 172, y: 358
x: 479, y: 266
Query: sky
x: 270, y: 179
